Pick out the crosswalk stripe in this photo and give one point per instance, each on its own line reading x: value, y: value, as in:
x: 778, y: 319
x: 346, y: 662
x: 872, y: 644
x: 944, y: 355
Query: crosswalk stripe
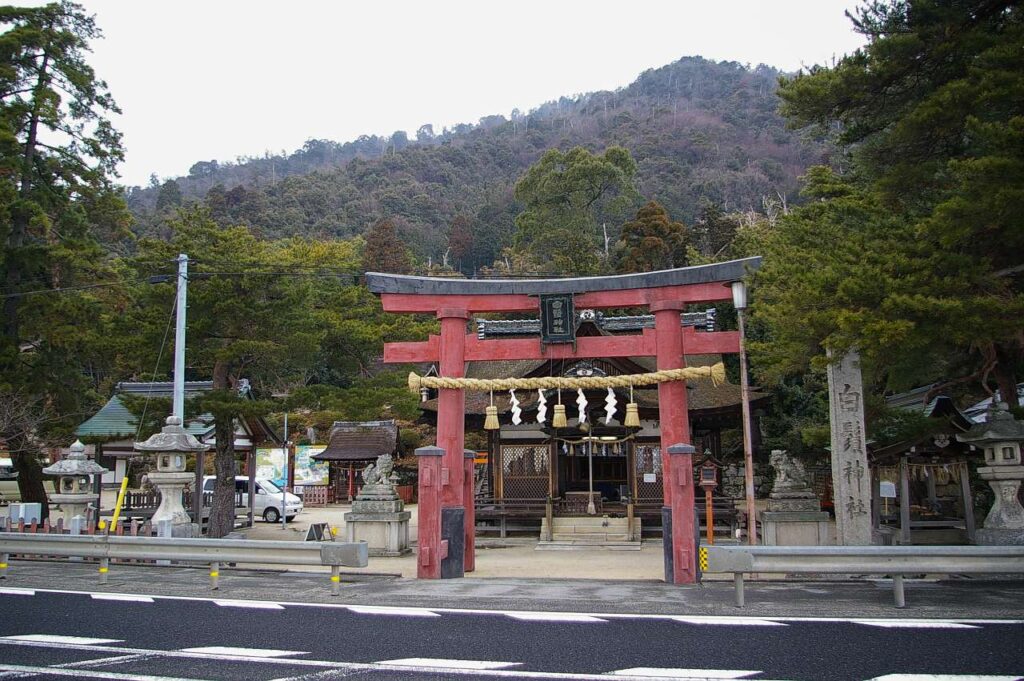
x: 388, y: 610
x: 734, y: 621
x: 914, y: 624
x: 128, y: 598
x: 553, y: 617
x: 243, y: 652
x: 944, y: 677
x: 14, y: 591
x: 667, y: 673
x: 255, y: 605
x: 73, y: 640
x: 436, y: 663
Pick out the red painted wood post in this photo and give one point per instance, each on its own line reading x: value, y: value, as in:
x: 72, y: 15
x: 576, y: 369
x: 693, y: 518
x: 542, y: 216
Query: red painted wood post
x: 428, y: 558
x: 451, y: 414
x: 673, y: 415
x: 469, y: 497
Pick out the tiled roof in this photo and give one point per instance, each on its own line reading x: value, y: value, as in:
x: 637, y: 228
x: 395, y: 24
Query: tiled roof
x: 360, y: 441
x: 114, y: 422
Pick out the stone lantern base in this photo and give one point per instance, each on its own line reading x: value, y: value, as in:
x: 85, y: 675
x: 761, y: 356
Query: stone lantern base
x: 171, y: 486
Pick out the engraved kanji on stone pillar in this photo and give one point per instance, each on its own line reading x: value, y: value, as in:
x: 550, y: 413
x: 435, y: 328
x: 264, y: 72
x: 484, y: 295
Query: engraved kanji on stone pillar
x: 851, y: 488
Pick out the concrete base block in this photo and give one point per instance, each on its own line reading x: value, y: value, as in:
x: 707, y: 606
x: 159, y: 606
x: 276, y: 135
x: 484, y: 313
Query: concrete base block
x: 797, y: 528
x: 386, y: 534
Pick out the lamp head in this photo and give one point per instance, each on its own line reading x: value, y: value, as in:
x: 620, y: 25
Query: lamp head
x: 739, y: 295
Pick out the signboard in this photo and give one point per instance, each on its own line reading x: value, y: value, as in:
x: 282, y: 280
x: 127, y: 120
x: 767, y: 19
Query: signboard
x: 887, y: 490
x: 270, y: 465
x: 650, y: 477
x: 557, y: 318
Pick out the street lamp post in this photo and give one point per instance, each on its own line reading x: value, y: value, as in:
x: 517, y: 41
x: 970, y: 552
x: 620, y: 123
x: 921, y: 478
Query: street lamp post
x: 739, y: 301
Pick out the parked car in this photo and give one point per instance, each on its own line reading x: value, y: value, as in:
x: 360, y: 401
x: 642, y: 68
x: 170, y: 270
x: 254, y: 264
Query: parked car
x: 268, y: 498
x: 8, y: 482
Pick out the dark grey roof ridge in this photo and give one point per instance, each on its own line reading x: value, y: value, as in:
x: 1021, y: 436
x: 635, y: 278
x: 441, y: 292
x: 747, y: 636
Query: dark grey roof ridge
x: 732, y: 270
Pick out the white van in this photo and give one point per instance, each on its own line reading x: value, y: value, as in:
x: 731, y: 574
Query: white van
x: 8, y: 482
x: 268, y: 498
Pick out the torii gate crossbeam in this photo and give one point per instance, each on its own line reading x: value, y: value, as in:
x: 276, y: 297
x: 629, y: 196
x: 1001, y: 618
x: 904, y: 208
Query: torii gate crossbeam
x: 446, y: 522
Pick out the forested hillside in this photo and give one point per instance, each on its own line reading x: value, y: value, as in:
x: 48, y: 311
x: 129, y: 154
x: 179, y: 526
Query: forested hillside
x: 706, y: 138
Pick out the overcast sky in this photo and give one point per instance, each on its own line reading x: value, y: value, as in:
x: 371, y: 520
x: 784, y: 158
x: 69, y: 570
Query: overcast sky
x: 201, y: 80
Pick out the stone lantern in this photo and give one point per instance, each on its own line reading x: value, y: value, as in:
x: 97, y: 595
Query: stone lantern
x: 73, y: 473
x: 172, y: 445
x: 1000, y: 440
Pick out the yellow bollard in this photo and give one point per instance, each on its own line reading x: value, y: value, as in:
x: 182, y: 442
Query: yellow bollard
x: 3, y: 565
x: 104, y: 569
x: 335, y: 580
x: 214, y: 576
x: 117, y: 506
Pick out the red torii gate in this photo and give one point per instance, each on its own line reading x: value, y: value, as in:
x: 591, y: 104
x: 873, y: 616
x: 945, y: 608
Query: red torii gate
x: 446, y: 513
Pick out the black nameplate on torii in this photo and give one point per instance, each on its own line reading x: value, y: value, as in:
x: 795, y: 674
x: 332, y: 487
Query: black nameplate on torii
x: 557, y: 318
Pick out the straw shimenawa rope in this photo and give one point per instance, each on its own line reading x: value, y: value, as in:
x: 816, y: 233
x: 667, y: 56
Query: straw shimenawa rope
x: 715, y: 372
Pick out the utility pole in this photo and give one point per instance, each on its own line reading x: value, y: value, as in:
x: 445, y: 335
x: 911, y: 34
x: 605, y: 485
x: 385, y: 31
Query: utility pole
x: 179, y: 339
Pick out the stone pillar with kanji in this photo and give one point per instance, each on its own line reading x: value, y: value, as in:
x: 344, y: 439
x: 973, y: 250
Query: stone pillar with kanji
x: 851, y: 483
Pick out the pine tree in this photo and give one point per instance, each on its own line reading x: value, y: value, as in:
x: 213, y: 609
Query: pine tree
x: 652, y: 241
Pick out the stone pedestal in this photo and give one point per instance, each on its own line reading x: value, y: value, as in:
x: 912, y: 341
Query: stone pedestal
x: 377, y: 517
x: 794, y: 516
x: 171, y: 486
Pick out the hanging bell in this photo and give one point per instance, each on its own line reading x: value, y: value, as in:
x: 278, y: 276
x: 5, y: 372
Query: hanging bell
x: 632, y: 419
x: 491, y: 421
x: 558, y: 420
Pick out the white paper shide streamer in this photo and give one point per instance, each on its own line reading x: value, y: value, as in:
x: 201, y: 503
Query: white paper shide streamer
x: 609, y: 406
x: 542, y: 407
x: 581, y: 401
x: 517, y: 413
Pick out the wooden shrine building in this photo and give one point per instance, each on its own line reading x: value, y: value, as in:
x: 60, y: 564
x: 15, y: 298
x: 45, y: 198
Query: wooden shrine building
x: 351, y: 446
x: 619, y: 466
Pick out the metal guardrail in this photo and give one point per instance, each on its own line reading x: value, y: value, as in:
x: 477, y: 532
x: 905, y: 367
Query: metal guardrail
x: 210, y: 551
x: 897, y: 561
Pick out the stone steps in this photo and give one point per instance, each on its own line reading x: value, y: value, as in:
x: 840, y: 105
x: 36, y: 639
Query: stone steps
x: 590, y: 532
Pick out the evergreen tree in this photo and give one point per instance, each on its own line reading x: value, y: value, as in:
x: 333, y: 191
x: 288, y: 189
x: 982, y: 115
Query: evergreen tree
x: 385, y: 252
x: 567, y: 196
x: 652, y: 241
x: 913, y: 255
x: 58, y: 154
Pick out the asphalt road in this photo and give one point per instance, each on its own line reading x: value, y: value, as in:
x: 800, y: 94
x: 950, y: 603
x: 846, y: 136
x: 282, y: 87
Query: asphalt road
x: 51, y: 634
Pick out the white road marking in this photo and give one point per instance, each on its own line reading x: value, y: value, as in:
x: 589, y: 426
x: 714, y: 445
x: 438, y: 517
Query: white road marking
x: 122, y: 597
x: 476, y: 611
x: 432, y: 663
x: 388, y: 610
x: 553, y: 617
x: 914, y: 624
x: 294, y: 662
x: 73, y: 640
x: 256, y: 605
x: 106, y: 661
x: 735, y: 621
x: 93, y: 673
x: 243, y: 652
x: 943, y: 677
x: 14, y: 591
x: 662, y: 673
